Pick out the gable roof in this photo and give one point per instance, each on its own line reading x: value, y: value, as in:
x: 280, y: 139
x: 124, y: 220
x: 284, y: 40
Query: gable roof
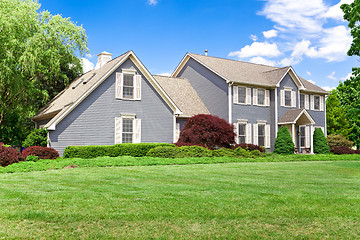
x: 183, y: 94
x: 79, y: 89
x: 292, y: 116
x: 248, y: 73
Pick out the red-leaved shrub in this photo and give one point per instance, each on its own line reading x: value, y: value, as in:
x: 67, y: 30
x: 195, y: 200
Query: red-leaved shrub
x: 9, y: 155
x: 180, y: 144
x: 208, y: 131
x: 343, y: 150
x: 248, y: 146
x: 41, y: 152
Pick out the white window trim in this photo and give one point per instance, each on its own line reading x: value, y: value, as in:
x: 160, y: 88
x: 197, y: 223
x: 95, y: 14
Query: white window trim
x: 292, y: 96
x: 119, y: 91
x: 136, y: 134
x: 247, y: 130
x: 247, y: 95
x: 305, y: 136
x: 321, y: 103
x: 266, y: 97
x: 267, y: 132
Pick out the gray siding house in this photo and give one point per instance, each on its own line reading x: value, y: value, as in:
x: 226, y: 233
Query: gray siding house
x: 120, y: 102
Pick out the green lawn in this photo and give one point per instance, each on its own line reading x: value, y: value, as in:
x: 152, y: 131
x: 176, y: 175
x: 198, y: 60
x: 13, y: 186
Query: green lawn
x: 311, y: 200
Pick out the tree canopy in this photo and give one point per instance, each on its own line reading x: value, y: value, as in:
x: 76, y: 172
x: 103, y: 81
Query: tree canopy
x: 38, y: 58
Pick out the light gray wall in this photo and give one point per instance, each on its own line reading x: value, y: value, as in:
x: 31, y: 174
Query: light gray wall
x: 286, y: 82
x: 92, y: 122
x: 212, y: 89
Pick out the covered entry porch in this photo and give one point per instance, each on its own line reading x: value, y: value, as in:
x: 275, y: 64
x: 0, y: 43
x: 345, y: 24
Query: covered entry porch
x: 301, y: 126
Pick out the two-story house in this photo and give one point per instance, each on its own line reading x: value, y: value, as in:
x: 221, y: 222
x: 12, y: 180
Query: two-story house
x: 120, y: 101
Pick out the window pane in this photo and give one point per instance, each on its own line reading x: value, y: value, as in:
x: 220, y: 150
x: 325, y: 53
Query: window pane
x: 242, y: 94
x: 261, y: 97
x: 302, y: 101
x: 261, y: 135
x: 316, y: 102
x: 128, y: 88
x: 288, y: 98
x: 127, y: 138
x: 242, y: 133
x: 128, y: 80
x: 302, y: 136
x: 127, y: 130
x: 242, y: 139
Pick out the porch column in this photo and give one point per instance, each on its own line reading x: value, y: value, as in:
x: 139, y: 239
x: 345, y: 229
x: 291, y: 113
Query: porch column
x: 293, y: 132
x: 311, y: 139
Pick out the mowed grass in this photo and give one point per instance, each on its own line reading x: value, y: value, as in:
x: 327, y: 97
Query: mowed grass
x: 283, y: 200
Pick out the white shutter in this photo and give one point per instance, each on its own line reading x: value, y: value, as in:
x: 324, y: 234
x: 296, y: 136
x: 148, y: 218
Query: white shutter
x: 137, y: 130
x: 248, y: 96
x: 306, y: 102
x: 282, y: 98
x: 137, y: 85
x: 255, y: 102
x: 311, y: 102
x: 236, y: 130
x: 321, y: 103
x: 255, y: 134
x: 248, y: 133
x: 235, y: 94
x: 267, y: 136
x: 118, y: 130
x: 293, y: 99
x: 307, y: 137
x: 177, y: 132
x: 119, y: 85
x: 267, y: 98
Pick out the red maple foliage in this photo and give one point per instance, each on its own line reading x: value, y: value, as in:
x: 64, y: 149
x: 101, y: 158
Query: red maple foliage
x: 41, y: 152
x: 9, y: 155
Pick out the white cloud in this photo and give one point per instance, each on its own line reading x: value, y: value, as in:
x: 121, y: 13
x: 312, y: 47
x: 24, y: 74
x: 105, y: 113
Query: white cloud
x: 332, y: 76
x: 166, y: 74
x: 88, y: 55
x: 289, y: 61
x: 86, y: 65
x: 152, y: 2
x: 335, y: 11
x: 257, y: 49
x: 311, y: 81
x: 308, y: 73
x: 346, y: 77
x: 270, y: 34
x: 253, y: 37
x: 327, y: 88
x: 261, y: 60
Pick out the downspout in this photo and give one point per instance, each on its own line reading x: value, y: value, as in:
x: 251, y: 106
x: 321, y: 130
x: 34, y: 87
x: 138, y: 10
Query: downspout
x: 325, y: 129
x: 276, y: 112
x: 230, y: 101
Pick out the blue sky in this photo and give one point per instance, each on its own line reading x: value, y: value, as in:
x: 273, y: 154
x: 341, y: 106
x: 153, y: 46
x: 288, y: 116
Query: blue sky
x: 310, y: 35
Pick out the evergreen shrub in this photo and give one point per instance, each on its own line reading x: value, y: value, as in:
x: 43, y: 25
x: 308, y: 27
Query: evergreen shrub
x: 9, y: 155
x: 163, y: 152
x: 334, y: 140
x: 320, y: 144
x: 41, y: 152
x: 223, y: 152
x: 283, y: 142
x: 241, y: 152
x: 37, y: 137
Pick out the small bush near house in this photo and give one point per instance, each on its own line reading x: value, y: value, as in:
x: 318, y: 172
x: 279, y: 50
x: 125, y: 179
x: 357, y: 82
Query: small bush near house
x: 8, y: 156
x: 223, y: 152
x: 241, y: 152
x: 163, y: 152
x: 194, y: 151
x: 32, y: 158
x: 208, y: 131
x: 334, y: 140
x: 256, y: 153
x: 283, y: 142
x: 37, y: 137
x: 249, y: 147
x: 343, y: 150
x: 320, y: 144
x: 125, y: 149
x: 41, y: 152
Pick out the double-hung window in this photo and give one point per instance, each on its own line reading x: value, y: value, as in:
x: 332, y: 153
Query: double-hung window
x: 242, y: 133
x: 242, y: 95
x: 127, y: 129
x: 302, y: 136
x: 302, y: 101
x: 288, y: 97
x: 261, y: 97
x: 316, y: 102
x: 288, y: 94
x: 128, y: 85
x: 261, y: 134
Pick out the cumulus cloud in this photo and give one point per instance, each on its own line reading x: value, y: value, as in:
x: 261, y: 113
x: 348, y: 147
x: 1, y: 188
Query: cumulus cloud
x: 166, y: 74
x: 311, y: 81
x: 346, y: 77
x: 327, y: 88
x: 270, y: 34
x: 261, y: 60
x: 152, y: 2
x: 257, y: 49
x: 86, y: 65
x: 332, y: 76
x: 253, y: 37
x: 335, y: 11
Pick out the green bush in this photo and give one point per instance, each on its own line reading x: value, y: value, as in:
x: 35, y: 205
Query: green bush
x: 164, y: 152
x: 37, y: 137
x: 32, y: 158
x: 320, y: 143
x: 194, y: 151
x: 256, y: 153
x: 241, y: 152
x: 223, y: 152
x: 283, y: 142
x: 338, y: 140
x: 125, y: 149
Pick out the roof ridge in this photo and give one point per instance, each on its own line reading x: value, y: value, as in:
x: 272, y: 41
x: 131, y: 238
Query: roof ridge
x: 238, y: 61
x: 276, y: 69
x: 156, y: 75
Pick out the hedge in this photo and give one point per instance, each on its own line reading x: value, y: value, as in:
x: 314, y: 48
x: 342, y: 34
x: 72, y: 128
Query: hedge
x: 41, y: 152
x: 125, y: 149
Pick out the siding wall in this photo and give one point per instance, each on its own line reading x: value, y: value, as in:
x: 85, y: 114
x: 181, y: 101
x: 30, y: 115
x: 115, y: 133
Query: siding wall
x: 287, y: 82
x: 212, y: 89
x: 92, y: 122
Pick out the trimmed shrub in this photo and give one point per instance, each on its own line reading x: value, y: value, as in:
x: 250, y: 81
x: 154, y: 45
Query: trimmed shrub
x: 208, y: 131
x: 241, y: 152
x: 320, y: 143
x: 283, y: 142
x: 124, y: 149
x: 223, y: 152
x: 256, y: 153
x: 37, y: 137
x: 343, y: 150
x: 334, y: 140
x: 8, y: 156
x: 181, y: 144
x: 41, y: 152
x: 163, y: 152
x: 249, y: 147
x: 194, y: 151
x: 32, y: 158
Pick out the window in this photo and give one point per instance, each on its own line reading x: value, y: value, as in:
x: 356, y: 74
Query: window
x: 302, y: 101
x: 128, y: 87
x: 261, y: 134
x: 242, y: 95
x: 242, y: 133
x: 127, y: 133
x: 261, y: 97
x: 288, y: 94
x: 316, y: 102
x: 302, y: 136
